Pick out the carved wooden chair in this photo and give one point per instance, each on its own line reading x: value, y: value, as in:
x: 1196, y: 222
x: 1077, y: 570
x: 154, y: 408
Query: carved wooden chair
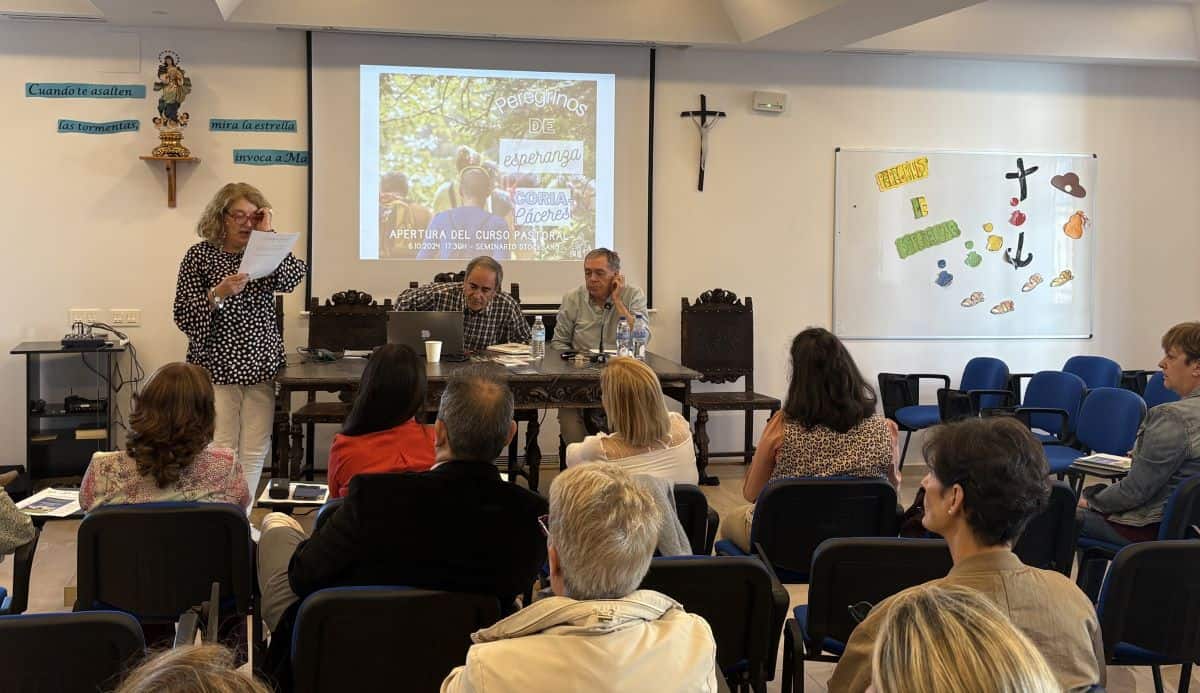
x: 348, y: 320
x: 717, y: 339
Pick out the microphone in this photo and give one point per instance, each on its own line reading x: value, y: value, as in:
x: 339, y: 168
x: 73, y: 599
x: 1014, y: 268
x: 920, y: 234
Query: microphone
x: 602, y: 357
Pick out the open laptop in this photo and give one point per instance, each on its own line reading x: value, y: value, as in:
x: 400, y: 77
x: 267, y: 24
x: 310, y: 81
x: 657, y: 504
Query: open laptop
x: 413, y: 327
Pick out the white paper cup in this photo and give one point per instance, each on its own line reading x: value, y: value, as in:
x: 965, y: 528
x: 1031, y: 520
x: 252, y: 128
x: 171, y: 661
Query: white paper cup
x: 433, y: 350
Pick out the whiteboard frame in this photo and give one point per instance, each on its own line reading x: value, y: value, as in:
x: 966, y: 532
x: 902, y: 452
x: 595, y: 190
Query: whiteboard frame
x: 1091, y: 298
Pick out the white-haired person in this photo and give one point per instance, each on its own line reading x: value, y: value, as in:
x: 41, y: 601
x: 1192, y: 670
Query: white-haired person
x: 599, y: 632
x: 646, y: 438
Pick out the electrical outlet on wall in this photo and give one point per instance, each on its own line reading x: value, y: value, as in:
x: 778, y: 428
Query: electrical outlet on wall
x: 84, y: 315
x: 129, y: 317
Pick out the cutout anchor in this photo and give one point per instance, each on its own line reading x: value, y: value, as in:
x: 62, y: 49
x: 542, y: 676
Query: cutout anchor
x: 1015, y: 259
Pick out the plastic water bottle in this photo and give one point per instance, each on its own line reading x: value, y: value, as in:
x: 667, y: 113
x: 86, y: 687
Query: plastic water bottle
x: 641, y: 335
x: 623, y: 340
x: 537, y: 345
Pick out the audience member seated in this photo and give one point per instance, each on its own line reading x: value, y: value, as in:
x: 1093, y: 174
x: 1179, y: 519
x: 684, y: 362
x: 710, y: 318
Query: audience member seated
x: 381, y: 434
x: 646, y: 438
x: 987, y: 478
x: 16, y: 528
x: 169, y: 455
x: 1167, y: 451
x: 946, y: 639
x: 827, y: 428
x: 457, y: 527
x: 599, y: 632
x: 194, y: 669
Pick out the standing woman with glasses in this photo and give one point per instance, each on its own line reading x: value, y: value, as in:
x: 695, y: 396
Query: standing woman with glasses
x: 230, y: 321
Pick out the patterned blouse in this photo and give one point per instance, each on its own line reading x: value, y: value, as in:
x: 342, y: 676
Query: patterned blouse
x: 212, y: 477
x: 501, y: 322
x: 239, y: 343
x: 863, y: 451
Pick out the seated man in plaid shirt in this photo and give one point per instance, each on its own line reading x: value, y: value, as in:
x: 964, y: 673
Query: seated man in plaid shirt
x: 489, y: 316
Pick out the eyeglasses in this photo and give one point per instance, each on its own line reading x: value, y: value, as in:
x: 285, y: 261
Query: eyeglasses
x: 242, y: 217
x: 544, y: 524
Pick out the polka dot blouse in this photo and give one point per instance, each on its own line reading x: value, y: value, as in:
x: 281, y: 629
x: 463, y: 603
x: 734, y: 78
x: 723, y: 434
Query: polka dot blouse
x: 239, y: 343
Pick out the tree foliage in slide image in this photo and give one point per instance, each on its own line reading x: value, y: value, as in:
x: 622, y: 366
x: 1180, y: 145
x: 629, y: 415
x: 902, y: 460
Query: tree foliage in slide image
x: 424, y: 120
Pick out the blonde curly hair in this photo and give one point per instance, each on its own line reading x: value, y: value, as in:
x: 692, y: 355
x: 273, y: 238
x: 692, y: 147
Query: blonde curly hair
x: 211, y: 226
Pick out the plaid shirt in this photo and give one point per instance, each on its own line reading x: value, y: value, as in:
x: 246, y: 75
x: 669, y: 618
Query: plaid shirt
x: 500, y: 322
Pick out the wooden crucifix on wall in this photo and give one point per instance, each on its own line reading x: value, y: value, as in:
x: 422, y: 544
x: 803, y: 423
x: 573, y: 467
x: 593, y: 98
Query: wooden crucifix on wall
x: 705, y: 120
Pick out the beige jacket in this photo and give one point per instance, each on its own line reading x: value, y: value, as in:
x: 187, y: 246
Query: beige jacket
x: 642, y: 642
x: 1045, y: 605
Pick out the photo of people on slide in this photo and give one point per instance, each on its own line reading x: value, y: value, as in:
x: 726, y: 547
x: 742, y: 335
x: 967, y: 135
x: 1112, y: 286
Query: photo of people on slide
x: 504, y: 166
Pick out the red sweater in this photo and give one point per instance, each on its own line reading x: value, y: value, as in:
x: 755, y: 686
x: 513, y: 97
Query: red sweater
x: 405, y: 448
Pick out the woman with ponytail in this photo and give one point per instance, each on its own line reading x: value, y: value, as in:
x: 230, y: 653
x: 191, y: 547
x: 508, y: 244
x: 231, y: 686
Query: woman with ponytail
x: 169, y: 455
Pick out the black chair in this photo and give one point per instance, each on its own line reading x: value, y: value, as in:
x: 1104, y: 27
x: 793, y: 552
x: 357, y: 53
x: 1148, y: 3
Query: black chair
x: 793, y: 516
x: 326, y: 511
x: 67, y: 653
x: 717, y: 339
x: 18, y: 601
x: 1149, y: 608
x: 157, y: 560
x: 1180, y: 520
x: 384, y: 638
x: 699, y: 521
x: 1049, y: 539
x: 743, y: 603
x: 844, y: 573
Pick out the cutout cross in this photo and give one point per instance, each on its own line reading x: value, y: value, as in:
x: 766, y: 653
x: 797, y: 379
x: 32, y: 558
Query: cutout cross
x: 1020, y: 174
x: 705, y: 120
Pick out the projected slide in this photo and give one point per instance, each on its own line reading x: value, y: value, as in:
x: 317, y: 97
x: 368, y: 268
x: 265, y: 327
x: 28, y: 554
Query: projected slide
x: 457, y: 163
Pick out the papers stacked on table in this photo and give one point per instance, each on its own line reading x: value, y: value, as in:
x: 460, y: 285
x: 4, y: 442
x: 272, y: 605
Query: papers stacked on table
x: 1102, y: 462
x: 51, y: 502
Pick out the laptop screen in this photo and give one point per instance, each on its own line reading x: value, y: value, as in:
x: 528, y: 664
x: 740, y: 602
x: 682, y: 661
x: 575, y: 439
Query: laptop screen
x: 413, y: 328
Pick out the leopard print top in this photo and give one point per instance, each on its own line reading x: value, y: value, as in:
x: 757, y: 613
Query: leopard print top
x: 863, y: 451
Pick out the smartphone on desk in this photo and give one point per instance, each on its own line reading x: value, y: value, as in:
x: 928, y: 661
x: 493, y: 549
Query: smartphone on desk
x: 308, y: 493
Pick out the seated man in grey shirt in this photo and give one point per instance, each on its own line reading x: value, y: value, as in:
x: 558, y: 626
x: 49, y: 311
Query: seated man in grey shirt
x: 1167, y: 451
x: 592, y: 311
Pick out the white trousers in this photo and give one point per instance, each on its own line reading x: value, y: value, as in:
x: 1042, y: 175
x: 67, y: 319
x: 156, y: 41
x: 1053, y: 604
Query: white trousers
x: 245, y: 414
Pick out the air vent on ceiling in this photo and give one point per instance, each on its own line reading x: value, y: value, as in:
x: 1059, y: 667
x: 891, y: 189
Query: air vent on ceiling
x: 868, y: 51
x: 21, y: 17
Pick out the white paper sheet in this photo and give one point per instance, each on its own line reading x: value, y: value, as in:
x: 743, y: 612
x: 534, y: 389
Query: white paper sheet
x: 265, y: 251
x: 51, y: 502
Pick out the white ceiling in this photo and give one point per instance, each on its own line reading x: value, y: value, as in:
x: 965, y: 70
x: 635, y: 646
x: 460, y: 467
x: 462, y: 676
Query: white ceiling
x: 1106, y: 31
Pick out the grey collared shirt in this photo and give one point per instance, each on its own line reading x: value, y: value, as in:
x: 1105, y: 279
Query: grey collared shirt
x: 1167, y: 451
x: 580, y: 321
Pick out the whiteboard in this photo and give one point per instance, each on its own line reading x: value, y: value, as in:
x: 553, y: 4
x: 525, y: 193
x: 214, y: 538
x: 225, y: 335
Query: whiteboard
x: 941, y: 245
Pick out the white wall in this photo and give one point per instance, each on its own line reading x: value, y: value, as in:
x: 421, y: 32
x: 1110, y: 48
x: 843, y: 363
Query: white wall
x: 764, y: 224
x: 88, y: 224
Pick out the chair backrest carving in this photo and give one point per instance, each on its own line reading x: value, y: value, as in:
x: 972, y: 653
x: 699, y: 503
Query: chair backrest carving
x: 349, y: 319
x: 717, y: 336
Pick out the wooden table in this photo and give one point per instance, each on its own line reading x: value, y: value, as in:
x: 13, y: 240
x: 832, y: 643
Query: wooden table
x: 554, y: 383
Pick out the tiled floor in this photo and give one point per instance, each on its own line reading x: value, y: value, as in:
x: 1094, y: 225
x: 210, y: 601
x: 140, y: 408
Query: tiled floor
x: 54, y: 575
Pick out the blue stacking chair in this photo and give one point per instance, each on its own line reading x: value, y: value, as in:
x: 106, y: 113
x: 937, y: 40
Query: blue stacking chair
x: 68, y: 653
x: 741, y: 599
x: 985, y: 376
x: 1156, y: 392
x: 1108, y: 422
x: 1051, y: 405
x: 1096, y: 371
x: 793, y: 516
x: 1180, y: 519
x: 846, y: 572
x: 1149, y: 608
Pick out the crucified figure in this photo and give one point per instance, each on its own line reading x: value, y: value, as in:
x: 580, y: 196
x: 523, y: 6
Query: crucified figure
x: 705, y: 121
